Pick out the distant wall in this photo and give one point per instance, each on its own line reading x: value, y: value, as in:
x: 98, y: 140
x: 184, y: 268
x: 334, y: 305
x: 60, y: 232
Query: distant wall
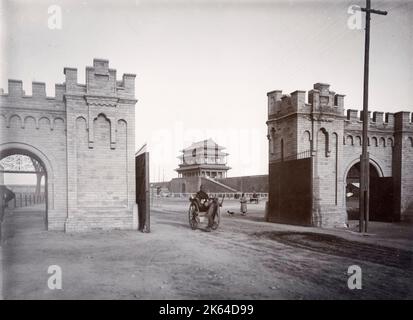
x: 212, y: 186
x: 165, y: 184
x: 258, y: 183
x: 185, y: 185
x: 21, y: 188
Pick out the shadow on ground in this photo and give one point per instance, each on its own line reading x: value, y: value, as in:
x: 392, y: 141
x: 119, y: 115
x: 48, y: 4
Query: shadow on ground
x: 337, y: 246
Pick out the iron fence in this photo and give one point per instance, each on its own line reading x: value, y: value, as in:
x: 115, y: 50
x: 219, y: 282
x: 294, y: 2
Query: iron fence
x: 23, y: 199
x: 299, y: 155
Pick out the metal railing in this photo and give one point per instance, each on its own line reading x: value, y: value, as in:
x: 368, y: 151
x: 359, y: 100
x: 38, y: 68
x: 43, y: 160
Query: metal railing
x: 297, y: 156
x: 228, y: 195
x: 23, y: 199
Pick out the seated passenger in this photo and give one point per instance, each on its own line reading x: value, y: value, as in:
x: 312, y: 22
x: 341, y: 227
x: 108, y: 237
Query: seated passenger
x: 207, y: 204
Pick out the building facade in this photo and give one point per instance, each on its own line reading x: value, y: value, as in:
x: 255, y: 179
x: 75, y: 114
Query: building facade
x: 84, y: 138
x: 314, y: 154
x: 203, y: 159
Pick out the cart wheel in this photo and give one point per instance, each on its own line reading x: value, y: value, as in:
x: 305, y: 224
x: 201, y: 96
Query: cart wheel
x: 217, y: 219
x: 193, y: 216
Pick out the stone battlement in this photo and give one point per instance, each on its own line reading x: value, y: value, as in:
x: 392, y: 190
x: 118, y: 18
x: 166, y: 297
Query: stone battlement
x: 15, y: 91
x: 100, y: 81
x: 402, y: 120
x: 320, y: 100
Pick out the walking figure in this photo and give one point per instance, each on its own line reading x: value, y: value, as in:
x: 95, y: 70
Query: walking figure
x: 243, y: 202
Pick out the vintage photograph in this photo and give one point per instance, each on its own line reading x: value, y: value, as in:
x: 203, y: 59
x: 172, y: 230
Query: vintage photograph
x: 206, y: 150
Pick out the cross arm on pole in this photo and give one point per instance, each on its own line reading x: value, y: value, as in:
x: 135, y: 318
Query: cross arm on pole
x: 383, y: 13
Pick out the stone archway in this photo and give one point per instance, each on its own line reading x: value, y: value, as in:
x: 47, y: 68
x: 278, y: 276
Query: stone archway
x: 352, y: 184
x: 8, y: 149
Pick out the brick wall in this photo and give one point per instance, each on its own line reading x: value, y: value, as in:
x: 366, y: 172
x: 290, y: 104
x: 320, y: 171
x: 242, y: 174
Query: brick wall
x: 35, y: 125
x: 85, y: 138
x: 334, y: 140
x: 185, y: 185
x: 258, y: 183
x: 101, y: 143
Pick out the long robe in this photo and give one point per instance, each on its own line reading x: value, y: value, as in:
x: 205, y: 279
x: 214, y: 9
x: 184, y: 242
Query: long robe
x: 243, y: 202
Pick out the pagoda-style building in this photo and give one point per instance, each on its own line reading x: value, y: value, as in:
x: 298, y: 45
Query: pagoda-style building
x: 203, y: 159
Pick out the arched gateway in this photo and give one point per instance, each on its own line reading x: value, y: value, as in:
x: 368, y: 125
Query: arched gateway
x: 84, y: 139
x: 313, y: 146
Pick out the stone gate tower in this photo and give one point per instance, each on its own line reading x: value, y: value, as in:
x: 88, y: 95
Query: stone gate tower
x: 313, y: 147
x: 84, y: 138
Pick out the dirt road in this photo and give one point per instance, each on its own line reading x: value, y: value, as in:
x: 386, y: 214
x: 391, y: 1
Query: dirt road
x: 245, y: 258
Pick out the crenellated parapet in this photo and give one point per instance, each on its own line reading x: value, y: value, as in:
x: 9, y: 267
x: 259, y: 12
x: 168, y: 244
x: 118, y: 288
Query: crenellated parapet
x: 16, y: 97
x: 18, y: 110
x: 403, y: 121
x: 100, y: 81
x: 101, y: 95
x: 380, y: 121
x: 323, y: 103
x: 320, y: 101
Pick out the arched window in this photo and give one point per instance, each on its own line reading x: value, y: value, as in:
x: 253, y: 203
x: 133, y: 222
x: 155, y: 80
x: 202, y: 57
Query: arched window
x: 272, y: 140
x: 323, y: 142
x: 306, y: 140
x: 335, y: 155
x: 382, y: 142
x: 282, y: 150
x: 350, y: 140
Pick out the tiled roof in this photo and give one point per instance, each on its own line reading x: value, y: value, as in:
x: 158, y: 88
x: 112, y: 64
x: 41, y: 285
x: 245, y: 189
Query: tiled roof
x: 211, y: 144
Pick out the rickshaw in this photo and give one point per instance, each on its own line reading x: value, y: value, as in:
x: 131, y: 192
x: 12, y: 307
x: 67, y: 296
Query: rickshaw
x: 197, y: 213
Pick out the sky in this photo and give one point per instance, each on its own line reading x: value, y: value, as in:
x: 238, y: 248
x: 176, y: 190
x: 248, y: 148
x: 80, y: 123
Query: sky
x: 204, y: 67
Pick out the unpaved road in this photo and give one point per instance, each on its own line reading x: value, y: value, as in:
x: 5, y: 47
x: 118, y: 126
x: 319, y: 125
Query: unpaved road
x: 244, y: 259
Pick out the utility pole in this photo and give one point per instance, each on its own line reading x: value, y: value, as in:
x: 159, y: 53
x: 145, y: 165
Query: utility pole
x: 364, y: 159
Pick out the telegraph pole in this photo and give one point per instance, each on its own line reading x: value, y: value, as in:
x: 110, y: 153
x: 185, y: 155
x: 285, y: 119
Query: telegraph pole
x: 364, y: 159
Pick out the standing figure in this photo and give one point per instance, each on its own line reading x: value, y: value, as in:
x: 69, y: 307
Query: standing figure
x: 243, y: 202
x: 5, y: 196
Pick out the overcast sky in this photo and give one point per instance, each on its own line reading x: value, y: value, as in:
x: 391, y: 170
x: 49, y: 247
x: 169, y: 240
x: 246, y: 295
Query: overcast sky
x: 204, y: 67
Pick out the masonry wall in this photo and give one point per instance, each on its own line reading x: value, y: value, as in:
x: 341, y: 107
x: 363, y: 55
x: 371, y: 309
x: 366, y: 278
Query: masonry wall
x: 333, y: 140
x: 192, y: 184
x: 403, y: 165
x: 36, y: 125
x: 100, y: 142
x: 258, y: 183
x: 85, y: 138
x: 381, y: 141
x: 327, y: 126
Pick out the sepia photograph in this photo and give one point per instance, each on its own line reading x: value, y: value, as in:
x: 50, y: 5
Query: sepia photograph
x: 216, y: 151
